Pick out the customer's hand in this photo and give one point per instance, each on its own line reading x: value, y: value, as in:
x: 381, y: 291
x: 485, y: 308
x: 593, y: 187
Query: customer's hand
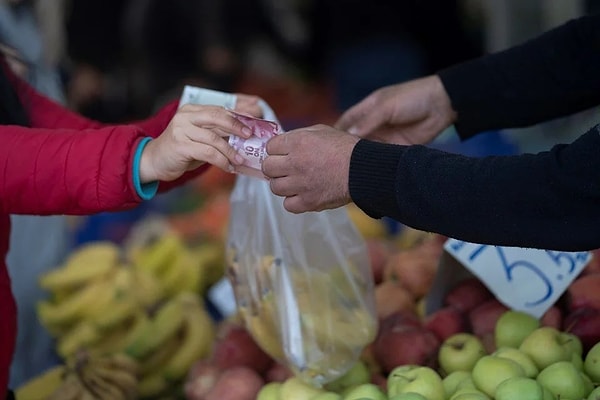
x: 309, y: 167
x: 414, y: 112
x: 196, y: 134
x: 248, y: 104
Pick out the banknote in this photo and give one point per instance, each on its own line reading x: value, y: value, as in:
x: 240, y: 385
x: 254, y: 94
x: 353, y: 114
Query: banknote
x: 253, y: 149
x: 196, y: 95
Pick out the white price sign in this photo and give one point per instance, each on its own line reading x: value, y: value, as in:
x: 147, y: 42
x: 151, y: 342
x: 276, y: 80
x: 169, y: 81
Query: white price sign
x: 528, y: 280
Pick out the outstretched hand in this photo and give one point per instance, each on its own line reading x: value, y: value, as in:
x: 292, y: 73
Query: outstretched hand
x: 197, y: 134
x: 310, y: 167
x: 414, y: 112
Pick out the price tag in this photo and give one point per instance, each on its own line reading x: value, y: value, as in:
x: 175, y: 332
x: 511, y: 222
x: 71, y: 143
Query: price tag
x: 528, y: 280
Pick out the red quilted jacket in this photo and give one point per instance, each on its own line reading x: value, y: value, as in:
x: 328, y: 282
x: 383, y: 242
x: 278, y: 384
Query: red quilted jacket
x: 62, y: 164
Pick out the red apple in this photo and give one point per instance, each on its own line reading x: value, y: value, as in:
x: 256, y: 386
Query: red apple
x: 278, y: 372
x: 446, y: 322
x: 402, y: 341
x: 468, y: 294
x: 238, y: 348
x: 379, y: 253
x: 483, y: 318
x: 201, y: 379
x: 237, y: 383
x: 584, y: 292
x: 585, y: 324
x: 390, y: 297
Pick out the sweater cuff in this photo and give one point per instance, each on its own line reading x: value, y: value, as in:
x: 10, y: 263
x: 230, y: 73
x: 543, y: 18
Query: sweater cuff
x: 372, y: 177
x: 147, y: 190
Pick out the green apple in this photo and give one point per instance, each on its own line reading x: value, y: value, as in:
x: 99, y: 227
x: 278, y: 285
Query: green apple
x: 469, y: 394
x: 573, y: 343
x: 417, y: 379
x: 531, y: 370
x: 365, y: 391
x: 513, y: 327
x: 591, y: 364
x: 408, y: 396
x: 577, y: 361
x: 451, y: 381
x: 548, y: 394
x: 356, y: 375
x: 460, y: 352
x: 547, y: 345
x: 588, y: 385
x: 519, y: 388
x: 270, y: 391
x: 595, y: 395
x: 296, y: 389
x: 490, y: 371
x: 327, y: 396
x: 563, y: 380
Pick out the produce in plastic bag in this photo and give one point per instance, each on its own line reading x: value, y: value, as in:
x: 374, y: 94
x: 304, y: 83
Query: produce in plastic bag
x: 302, y: 282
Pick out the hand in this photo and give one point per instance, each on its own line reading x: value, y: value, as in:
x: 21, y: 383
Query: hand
x: 248, y: 104
x: 195, y: 135
x: 310, y: 168
x: 413, y: 112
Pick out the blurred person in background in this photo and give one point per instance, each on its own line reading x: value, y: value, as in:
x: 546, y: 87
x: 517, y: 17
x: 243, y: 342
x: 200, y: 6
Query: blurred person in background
x: 547, y: 200
x: 38, y: 243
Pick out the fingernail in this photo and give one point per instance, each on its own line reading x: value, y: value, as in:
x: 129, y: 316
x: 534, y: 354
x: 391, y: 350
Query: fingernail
x: 231, y: 168
x: 246, y: 131
x: 239, y: 159
x: 353, y: 130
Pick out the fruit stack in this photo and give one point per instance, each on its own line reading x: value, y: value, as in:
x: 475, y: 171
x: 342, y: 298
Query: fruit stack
x: 143, y: 300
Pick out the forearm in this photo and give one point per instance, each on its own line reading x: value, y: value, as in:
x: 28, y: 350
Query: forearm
x: 551, y: 76
x: 549, y: 200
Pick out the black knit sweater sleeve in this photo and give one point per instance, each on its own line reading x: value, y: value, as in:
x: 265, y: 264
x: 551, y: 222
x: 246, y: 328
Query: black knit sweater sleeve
x: 553, y: 75
x: 550, y: 200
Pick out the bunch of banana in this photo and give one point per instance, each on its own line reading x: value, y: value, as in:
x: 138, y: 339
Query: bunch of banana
x: 85, y: 377
x: 179, y: 333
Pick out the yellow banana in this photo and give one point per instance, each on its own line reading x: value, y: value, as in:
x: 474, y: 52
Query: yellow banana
x: 159, y: 357
x: 147, y: 290
x: 176, y: 275
x: 115, y: 313
x: 101, y: 389
x: 70, y: 389
x: 152, y: 386
x: 139, y: 324
x: 211, y: 261
x: 122, y: 361
x: 124, y: 381
x: 157, y: 256
x: 82, y: 335
x: 198, y: 337
x: 165, y: 323
x: 115, y: 339
x: 70, y: 310
x: 38, y: 387
x: 84, y: 265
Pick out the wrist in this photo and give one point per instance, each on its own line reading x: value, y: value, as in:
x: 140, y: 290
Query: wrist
x: 144, y: 185
x: 146, y: 170
x: 441, y: 102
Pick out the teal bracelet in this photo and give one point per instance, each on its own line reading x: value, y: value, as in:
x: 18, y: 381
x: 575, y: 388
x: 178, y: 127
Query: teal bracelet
x: 147, y: 190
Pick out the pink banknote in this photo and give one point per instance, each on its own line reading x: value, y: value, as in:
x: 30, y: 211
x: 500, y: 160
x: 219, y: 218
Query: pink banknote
x: 253, y: 149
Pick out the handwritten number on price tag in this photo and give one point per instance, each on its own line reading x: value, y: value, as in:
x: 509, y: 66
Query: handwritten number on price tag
x: 529, y: 280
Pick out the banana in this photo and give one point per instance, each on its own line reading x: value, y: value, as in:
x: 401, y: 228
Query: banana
x: 139, y: 324
x: 122, y: 361
x: 70, y: 389
x: 198, y: 337
x: 147, y: 290
x: 101, y: 389
x: 38, y: 387
x: 152, y: 385
x: 157, y: 256
x: 116, y: 312
x: 82, y: 335
x: 165, y: 323
x: 211, y: 261
x: 84, y: 265
x: 124, y: 381
x: 176, y: 275
x: 76, y: 306
x: 159, y: 357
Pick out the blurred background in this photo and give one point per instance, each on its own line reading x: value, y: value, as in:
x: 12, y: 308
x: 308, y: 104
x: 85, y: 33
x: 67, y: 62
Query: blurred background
x: 119, y: 60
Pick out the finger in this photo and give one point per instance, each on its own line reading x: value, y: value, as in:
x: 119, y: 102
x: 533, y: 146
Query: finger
x: 279, y: 145
x: 295, y: 205
x: 248, y: 104
x: 204, y: 116
x: 283, y: 186
x: 214, y: 142
x: 360, y: 119
x: 276, y: 166
x: 212, y: 156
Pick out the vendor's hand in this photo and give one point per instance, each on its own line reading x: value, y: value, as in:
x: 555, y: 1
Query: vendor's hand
x: 248, y: 104
x: 414, y: 112
x: 196, y: 134
x: 310, y: 167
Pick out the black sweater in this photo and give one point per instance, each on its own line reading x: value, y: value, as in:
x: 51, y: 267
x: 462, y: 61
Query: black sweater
x: 549, y: 200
